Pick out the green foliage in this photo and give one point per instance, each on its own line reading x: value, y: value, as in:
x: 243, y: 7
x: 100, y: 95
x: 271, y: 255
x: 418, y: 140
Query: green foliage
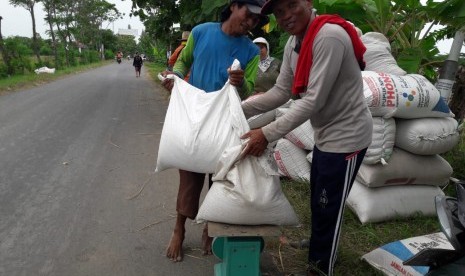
x: 45, y: 50
x: 109, y: 54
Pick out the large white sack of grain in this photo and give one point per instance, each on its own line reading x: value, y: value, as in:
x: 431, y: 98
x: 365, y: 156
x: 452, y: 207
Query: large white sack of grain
x: 199, y: 126
x: 388, y: 203
x: 389, y: 258
x: 265, y: 118
x: 427, y: 136
x: 303, y: 135
x: 246, y: 191
x: 405, y: 168
x: 384, y: 133
x: 291, y: 160
x: 409, y: 97
x: 378, y: 55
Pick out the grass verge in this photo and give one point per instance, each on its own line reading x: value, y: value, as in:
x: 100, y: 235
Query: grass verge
x: 18, y: 82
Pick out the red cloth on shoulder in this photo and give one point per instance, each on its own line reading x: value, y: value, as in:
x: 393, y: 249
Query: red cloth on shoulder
x: 304, y: 63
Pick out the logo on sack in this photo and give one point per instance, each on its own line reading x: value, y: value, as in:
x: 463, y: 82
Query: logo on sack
x: 410, y: 97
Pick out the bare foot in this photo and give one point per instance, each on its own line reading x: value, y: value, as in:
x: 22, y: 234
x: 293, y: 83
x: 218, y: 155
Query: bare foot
x: 206, y: 242
x: 174, y: 249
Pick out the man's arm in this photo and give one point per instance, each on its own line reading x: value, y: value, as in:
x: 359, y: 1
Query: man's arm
x: 250, y: 74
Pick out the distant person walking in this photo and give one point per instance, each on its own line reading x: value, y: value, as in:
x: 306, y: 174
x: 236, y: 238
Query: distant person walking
x: 137, y: 63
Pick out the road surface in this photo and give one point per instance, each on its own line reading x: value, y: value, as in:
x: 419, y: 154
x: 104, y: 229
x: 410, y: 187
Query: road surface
x: 78, y: 195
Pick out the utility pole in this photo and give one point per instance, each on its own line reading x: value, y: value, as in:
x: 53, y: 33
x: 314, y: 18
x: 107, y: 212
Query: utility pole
x: 448, y: 71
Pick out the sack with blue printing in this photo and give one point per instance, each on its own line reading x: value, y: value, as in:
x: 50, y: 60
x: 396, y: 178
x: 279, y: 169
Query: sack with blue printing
x: 408, y: 97
x: 389, y: 258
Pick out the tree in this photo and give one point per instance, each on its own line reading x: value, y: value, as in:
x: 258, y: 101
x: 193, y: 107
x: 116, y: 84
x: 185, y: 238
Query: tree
x: 29, y: 6
x: 5, y: 56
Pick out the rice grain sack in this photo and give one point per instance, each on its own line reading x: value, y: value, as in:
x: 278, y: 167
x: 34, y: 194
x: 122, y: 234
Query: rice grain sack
x: 406, y: 168
x: 291, y: 160
x: 388, y: 203
x: 384, y: 133
x: 302, y: 136
x: 389, y: 258
x: 261, y: 120
x: 409, y: 97
x: 378, y: 55
x: 199, y: 126
x: 427, y: 136
x: 246, y: 191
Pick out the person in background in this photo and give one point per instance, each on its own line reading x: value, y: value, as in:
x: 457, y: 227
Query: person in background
x: 177, y: 52
x: 137, y: 63
x: 268, y: 68
x: 209, y: 52
x: 172, y: 59
x: 322, y: 63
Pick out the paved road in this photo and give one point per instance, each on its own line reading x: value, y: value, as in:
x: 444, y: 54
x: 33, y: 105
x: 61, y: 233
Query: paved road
x: 72, y: 155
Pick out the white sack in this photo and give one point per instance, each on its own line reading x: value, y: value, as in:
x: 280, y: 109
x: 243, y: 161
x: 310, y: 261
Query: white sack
x: 382, y: 144
x: 263, y: 119
x: 389, y: 258
x: 427, y: 136
x: 291, y: 160
x: 246, y: 192
x: 378, y: 55
x: 410, y: 96
x: 406, y: 168
x: 302, y: 136
x: 199, y: 126
x: 387, y: 203
x: 45, y: 69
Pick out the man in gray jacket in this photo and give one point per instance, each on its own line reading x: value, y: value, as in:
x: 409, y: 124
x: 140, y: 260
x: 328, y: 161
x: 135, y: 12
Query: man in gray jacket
x: 322, y: 64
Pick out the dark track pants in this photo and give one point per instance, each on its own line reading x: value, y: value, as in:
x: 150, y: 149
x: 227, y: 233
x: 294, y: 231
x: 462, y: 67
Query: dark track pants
x: 331, y: 178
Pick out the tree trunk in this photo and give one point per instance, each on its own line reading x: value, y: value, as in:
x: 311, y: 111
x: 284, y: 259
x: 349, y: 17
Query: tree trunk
x: 34, y: 32
x: 52, y: 33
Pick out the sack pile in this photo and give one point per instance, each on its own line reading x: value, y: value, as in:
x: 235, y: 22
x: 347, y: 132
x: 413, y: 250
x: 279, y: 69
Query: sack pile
x: 403, y: 170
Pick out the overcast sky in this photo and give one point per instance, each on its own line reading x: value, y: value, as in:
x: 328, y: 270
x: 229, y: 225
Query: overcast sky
x: 17, y: 20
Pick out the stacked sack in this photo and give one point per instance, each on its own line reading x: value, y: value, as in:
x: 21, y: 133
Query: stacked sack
x: 290, y: 152
x: 402, y: 171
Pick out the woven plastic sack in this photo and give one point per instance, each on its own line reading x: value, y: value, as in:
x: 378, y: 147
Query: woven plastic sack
x: 291, y: 160
x: 405, y: 168
x: 199, y: 126
x: 393, y: 202
x: 427, y: 136
x: 246, y: 191
x: 382, y: 144
x: 378, y: 55
x: 409, y: 97
x: 389, y: 258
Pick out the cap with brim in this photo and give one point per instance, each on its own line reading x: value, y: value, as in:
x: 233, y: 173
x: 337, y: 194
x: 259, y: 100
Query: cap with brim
x: 268, y: 7
x: 254, y: 9
x: 257, y: 10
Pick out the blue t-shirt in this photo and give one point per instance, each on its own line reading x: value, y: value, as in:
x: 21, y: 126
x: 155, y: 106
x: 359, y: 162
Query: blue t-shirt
x: 213, y: 53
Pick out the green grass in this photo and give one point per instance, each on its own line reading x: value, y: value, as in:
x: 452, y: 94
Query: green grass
x: 18, y: 82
